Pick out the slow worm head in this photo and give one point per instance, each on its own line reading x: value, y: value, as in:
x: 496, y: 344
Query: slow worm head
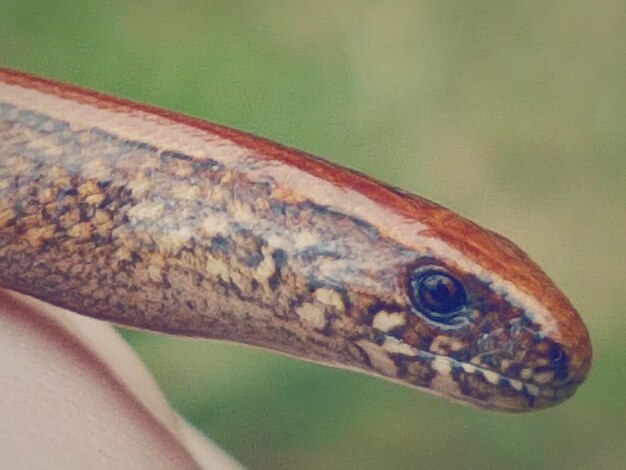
x: 147, y: 218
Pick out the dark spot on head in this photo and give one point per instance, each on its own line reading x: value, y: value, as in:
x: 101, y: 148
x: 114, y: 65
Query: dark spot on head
x: 378, y: 337
x: 220, y: 244
x: 280, y: 260
x: 5, y: 108
x: 463, y: 356
x: 278, y: 208
x: 456, y: 372
x: 31, y: 119
x: 250, y: 259
x: 196, y: 279
x: 424, y: 342
x: 105, y: 202
x: 309, y: 255
x: 67, y: 192
x: 207, y: 164
x: 167, y: 154
x: 143, y: 146
x: 230, y: 288
x: 86, y: 212
x: 98, y: 134
x: 489, y: 360
x: 514, y: 370
x: 559, y: 361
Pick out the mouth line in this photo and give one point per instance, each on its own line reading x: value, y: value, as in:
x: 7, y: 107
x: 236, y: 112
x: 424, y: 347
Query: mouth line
x: 450, y: 367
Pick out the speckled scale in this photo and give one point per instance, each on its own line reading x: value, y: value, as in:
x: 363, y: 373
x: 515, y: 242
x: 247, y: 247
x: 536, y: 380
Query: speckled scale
x: 147, y: 218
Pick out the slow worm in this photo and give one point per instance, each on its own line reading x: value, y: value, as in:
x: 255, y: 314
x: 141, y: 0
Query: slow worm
x: 147, y: 218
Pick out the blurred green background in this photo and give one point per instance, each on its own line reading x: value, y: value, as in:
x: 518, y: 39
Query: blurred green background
x: 512, y: 113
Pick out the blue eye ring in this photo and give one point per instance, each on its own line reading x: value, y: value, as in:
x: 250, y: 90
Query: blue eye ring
x: 437, y: 294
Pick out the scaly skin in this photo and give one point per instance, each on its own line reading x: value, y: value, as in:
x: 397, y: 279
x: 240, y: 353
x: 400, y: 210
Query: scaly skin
x: 151, y: 219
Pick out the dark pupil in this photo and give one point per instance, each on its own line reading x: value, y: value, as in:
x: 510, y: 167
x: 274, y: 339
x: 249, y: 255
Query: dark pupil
x: 441, y: 293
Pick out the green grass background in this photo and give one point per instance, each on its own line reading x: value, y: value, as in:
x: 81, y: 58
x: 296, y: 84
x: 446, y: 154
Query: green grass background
x: 512, y: 113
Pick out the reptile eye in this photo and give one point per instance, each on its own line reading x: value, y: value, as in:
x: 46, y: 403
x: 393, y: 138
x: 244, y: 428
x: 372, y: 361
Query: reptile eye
x: 437, y: 294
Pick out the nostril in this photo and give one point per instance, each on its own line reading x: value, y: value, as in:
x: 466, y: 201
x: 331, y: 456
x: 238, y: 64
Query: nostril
x: 559, y: 362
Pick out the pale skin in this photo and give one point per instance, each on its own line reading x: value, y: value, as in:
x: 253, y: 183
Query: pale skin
x: 74, y: 395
